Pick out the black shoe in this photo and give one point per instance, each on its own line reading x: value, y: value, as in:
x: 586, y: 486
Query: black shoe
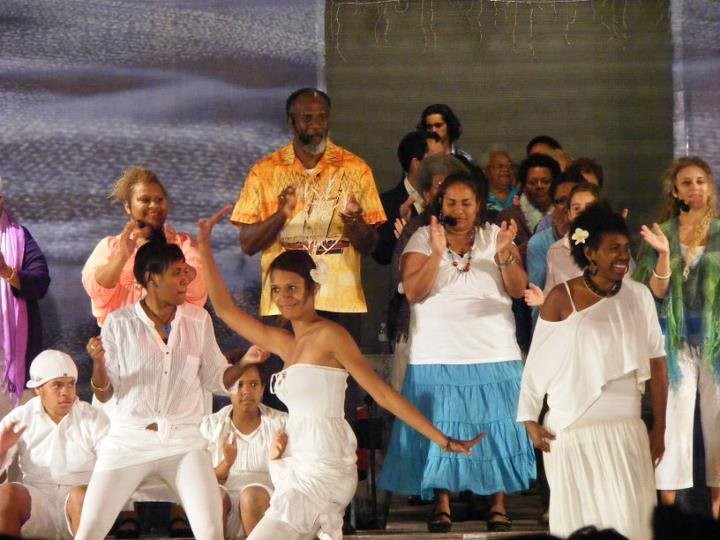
x: 179, y: 527
x: 434, y: 525
x: 128, y: 527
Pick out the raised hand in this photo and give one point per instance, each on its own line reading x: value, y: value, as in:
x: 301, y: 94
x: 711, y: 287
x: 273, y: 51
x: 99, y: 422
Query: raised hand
x: 406, y: 208
x: 229, y: 449
x: 277, y: 447
x: 287, y: 201
x: 128, y: 240
x: 534, y: 296
x: 656, y: 238
x: 10, y: 435
x: 95, y: 349
x: 438, y: 240
x: 205, y: 225
x: 540, y: 436
x: 255, y: 355
x: 508, y: 232
x: 463, y: 447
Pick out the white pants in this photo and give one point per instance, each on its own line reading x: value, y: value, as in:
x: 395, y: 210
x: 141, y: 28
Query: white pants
x: 274, y: 529
x: 675, y: 471
x: 189, y: 475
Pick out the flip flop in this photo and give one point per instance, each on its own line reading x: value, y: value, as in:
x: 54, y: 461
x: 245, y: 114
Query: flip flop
x: 502, y: 524
x: 435, y: 526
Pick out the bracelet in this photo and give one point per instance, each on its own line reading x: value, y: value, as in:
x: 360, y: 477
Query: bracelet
x: 662, y: 278
x: 507, y: 262
x: 97, y: 388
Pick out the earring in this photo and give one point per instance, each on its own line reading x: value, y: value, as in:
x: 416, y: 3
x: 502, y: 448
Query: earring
x: 592, y: 268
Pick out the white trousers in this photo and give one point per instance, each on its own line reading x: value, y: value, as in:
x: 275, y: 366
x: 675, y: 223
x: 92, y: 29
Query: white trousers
x: 274, y: 529
x: 190, y: 476
x: 675, y: 471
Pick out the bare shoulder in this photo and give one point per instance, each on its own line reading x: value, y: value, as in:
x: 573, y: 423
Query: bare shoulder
x: 557, y: 306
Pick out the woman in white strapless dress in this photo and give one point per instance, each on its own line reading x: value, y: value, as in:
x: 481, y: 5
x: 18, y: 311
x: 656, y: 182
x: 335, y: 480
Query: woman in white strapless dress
x: 313, y: 463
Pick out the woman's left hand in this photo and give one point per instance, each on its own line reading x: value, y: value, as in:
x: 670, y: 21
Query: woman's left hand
x: 205, y: 225
x: 656, y: 238
x: 508, y: 232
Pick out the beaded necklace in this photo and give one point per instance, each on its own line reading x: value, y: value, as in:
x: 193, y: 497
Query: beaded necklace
x: 590, y: 284
x: 457, y: 263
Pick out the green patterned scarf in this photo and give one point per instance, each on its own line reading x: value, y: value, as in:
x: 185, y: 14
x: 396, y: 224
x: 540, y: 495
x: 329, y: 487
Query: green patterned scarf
x: 671, y: 309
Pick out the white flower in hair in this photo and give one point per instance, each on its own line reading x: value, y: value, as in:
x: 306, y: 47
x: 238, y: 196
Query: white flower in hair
x: 320, y: 272
x: 579, y: 236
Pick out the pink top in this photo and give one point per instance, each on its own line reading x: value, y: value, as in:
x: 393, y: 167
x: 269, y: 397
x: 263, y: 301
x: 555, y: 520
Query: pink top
x: 127, y: 291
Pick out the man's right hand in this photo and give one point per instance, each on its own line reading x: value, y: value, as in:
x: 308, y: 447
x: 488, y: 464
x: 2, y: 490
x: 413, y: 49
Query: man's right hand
x: 10, y: 435
x: 287, y: 201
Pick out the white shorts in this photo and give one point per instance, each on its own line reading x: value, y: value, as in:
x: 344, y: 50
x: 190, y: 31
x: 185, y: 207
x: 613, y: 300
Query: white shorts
x: 48, y: 512
x: 234, y: 523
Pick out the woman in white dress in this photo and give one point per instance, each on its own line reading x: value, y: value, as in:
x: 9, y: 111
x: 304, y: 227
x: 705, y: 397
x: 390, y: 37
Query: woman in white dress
x: 315, y: 477
x: 596, y: 342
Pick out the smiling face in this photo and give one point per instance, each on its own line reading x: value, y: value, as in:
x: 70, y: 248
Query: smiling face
x: 249, y: 391
x: 148, y: 204
x: 692, y: 185
x: 460, y: 202
x: 310, y: 120
x: 612, y: 256
x: 171, y: 285
x: 57, y: 396
x: 290, y: 293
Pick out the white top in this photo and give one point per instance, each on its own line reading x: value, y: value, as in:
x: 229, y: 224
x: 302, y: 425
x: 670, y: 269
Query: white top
x: 560, y: 265
x: 56, y: 454
x: 572, y: 360
x: 251, y: 465
x: 467, y: 317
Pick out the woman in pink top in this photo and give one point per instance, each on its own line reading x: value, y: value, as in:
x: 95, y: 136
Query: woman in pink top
x: 107, y: 276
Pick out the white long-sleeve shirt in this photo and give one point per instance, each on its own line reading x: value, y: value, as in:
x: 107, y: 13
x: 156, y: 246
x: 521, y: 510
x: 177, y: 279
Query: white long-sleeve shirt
x: 160, y: 382
x: 56, y: 454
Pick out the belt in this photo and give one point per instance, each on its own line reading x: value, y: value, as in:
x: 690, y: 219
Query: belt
x: 326, y: 247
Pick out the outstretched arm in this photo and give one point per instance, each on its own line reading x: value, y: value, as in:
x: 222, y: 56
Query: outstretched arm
x: 347, y: 353
x: 266, y: 337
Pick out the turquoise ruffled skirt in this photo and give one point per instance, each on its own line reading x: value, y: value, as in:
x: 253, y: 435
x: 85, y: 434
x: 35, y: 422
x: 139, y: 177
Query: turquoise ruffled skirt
x: 462, y: 401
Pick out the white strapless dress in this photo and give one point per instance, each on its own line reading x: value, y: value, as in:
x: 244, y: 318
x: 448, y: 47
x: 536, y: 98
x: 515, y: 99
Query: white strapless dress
x: 316, y: 477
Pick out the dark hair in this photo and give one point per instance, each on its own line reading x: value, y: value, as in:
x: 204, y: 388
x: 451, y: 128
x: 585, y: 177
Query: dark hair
x: 585, y: 165
x: 155, y: 256
x: 465, y: 179
x: 235, y: 355
x: 584, y: 187
x: 414, y: 145
x: 598, y: 219
x: 542, y: 139
x: 307, y: 91
x: 296, y: 261
x: 562, y: 179
x: 452, y: 121
x: 538, y: 160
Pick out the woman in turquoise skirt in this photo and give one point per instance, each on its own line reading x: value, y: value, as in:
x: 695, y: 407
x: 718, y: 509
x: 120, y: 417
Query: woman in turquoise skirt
x: 465, y: 368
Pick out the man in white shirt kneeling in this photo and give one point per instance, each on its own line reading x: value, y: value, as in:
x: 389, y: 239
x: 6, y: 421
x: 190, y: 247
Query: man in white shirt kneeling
x: 54, y: 436
x: 241, y: 437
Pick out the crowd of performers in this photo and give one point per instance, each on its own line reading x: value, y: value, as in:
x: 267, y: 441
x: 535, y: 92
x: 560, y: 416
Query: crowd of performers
x: 519, y: 316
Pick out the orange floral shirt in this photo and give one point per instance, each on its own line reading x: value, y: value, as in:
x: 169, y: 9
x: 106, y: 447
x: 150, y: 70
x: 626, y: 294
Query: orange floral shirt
x: 316, y: 227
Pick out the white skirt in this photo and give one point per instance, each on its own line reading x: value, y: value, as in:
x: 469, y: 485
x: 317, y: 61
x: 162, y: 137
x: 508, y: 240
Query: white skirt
x: 601, y: 474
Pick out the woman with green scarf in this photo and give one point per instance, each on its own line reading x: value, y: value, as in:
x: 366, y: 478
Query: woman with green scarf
x: 680, y: 262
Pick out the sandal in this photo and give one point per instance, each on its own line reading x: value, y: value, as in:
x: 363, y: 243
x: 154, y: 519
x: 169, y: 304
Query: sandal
x: 434, y: 525
x: 183, y: 529
x: 131, y: 532
x: 498, y: 522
